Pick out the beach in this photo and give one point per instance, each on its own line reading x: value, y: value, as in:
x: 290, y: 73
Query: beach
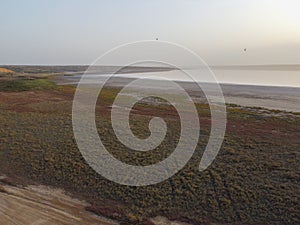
x: 272, y: 97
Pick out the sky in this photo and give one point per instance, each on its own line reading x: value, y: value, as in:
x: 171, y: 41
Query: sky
x: 69, y: 32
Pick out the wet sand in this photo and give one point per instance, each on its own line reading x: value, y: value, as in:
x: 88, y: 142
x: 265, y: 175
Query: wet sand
x: 271, y: 97
x: 278, y: 98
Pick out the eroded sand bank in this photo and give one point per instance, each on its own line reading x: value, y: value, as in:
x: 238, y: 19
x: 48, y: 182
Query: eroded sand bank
x: 42, y: 205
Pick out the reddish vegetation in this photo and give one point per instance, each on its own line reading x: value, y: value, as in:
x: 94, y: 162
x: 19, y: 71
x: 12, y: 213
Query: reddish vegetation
x: 21, y: 101
x: 252, y: 181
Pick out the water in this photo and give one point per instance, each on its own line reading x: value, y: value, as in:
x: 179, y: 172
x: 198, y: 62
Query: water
x: 259, y: 77
x: 284, y: 78
x: 274, y: 89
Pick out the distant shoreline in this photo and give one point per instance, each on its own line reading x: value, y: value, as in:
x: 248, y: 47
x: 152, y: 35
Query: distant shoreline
x: 276, y: 97
x: 280, y: 67
x: 183, y: 81
x: 80, y: 69
x: 105, y: 68
x: 270, y: 97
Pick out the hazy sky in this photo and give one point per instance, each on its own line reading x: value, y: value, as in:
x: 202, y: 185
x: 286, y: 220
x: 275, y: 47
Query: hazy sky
x: 76, y: 32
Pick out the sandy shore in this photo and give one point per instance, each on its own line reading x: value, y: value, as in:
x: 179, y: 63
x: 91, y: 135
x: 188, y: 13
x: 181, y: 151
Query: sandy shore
x: 271, y: 97
x: 44, y: 205
x: 36, y: 205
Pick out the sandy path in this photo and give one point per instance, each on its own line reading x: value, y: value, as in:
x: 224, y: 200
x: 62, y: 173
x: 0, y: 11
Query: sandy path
x: 40, y: 205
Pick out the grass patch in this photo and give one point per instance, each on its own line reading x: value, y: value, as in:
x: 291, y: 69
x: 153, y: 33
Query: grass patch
x: 27, y: 85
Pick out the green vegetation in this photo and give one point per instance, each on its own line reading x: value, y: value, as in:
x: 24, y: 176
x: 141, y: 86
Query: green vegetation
x: 254, y: 180
x: 77, y: 69
x: 27, y: 85
x: 43, y: 69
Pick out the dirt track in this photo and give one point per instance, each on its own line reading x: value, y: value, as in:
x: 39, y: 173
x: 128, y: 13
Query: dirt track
x: 40, y: 205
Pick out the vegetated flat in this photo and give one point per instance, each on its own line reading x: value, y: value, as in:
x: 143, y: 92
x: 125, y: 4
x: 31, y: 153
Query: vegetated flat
x: 253, y: 180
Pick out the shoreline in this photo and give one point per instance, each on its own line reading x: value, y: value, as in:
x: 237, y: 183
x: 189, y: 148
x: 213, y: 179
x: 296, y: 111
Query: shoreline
x: 270, y: 97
